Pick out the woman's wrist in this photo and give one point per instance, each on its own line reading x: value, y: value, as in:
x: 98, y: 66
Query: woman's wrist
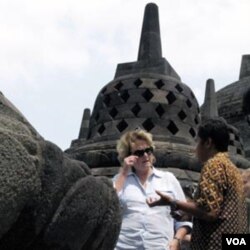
x: 178, y: 239
x: 124, y: 170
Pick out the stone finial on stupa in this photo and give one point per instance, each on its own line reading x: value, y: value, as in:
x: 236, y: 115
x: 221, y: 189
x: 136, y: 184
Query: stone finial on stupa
x: 209, y: 108
x: 150, y: 58
x: 85, y: 124
x: 245, y: 67
x: 150, y: 43
x: 246, y: 105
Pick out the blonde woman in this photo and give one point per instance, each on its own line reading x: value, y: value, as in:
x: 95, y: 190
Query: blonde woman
x: 144, y: 227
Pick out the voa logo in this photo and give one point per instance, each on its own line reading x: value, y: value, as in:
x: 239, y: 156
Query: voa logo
x: 236, y: 241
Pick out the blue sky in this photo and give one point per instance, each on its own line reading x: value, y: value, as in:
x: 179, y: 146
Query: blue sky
x: 57, y: 55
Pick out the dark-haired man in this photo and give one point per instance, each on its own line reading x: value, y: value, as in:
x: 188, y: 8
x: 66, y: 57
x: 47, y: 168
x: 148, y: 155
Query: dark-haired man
x: 219, y: 205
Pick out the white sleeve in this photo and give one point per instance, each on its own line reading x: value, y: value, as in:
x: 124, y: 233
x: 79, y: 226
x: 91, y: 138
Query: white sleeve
x: 179, y: 195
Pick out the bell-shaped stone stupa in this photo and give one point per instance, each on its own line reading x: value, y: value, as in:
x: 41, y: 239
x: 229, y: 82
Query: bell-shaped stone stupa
x: 149, y: 94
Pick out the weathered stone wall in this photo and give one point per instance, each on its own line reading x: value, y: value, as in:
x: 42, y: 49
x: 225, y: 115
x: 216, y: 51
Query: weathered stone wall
x: 47, y: 200
x: 230, y: 106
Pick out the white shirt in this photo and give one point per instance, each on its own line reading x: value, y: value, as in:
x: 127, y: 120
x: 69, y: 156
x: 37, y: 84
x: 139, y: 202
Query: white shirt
x: 145, y: 227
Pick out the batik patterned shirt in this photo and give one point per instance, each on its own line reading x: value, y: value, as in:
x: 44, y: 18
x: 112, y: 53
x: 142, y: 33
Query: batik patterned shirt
x: 220, y: 190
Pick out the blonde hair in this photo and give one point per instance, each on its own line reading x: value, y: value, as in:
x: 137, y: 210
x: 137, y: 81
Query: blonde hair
x: 127, y: 140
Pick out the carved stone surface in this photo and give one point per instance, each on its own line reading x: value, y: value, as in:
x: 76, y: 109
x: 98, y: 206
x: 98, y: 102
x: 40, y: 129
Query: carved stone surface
x: 148, y: 94
x: 210, y: 109
x: 230, y: 103
x: 47, y: 200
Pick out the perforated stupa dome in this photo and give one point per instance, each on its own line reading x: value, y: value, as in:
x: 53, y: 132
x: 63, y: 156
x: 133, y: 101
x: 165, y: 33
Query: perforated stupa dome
x: 148, y: 94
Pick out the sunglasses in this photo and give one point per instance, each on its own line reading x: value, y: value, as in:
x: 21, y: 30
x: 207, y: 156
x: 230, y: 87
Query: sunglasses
x: 141, y: 152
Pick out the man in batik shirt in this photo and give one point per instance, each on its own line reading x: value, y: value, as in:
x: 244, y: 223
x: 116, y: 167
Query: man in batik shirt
x: 219, y: 206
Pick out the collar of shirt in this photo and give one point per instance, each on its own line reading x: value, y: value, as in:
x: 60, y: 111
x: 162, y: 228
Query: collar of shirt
x: 222, y: 155
x: 155, y: 172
